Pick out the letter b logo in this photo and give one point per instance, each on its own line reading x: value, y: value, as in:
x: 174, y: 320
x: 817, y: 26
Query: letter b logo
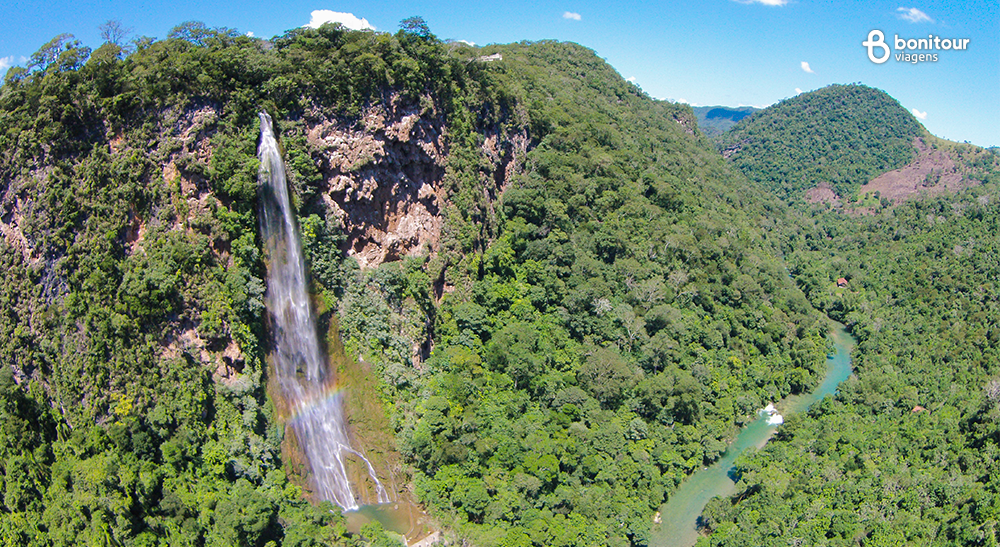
x: 876, y: 39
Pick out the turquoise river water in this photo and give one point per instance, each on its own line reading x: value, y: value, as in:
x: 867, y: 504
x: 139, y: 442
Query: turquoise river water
x: 679, y: 516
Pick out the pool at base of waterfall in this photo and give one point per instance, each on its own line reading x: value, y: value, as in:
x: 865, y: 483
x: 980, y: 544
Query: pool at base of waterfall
x: 402, y: 518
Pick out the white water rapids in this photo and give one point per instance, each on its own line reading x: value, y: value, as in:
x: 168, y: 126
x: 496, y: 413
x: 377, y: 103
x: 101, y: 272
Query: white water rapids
x: 301, y: 369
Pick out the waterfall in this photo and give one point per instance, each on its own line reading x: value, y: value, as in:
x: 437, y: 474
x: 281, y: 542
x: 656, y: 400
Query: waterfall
x: 317, y: 414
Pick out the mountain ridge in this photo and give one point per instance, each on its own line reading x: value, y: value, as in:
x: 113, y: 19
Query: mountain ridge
x: 844, y: 165
x: 716, y: 120
x: 842, y: 135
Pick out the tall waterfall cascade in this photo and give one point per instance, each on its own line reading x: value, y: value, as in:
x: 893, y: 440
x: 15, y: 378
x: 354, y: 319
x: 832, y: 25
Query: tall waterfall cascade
x: 317, y: 414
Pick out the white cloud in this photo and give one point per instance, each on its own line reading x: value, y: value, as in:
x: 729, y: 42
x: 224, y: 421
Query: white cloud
x: 765, y: 2
x: 797, y: 91
x: 630, y: 79
x: 914, y: 15
x: 919, y: 114
x: 805, y: 67
x: 571, y: 15
x: 349, y: 20
x: 466, y: 42
x: 6, y: 62
x: 250, y: 34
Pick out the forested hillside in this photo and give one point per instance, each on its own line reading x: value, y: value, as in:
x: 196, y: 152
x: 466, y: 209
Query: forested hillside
x: 632, y: 311
x: 589, y: 329
x: 907, y: 452
x: 840, y: 136
x: 557, y: 299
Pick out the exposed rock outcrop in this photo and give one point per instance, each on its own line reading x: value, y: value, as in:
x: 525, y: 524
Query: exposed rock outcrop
x: 11, y: 219
x: 933, y: 171
x: 384, y: 176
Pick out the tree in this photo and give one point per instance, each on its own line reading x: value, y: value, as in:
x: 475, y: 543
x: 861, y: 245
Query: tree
x: 377, y: 536
x: 114, y: 32
x: 415, y: 25
x: 608, y: 376
x: 192, y: 31
x: 14, y: 74
x: 49, y: 53
x: 198, y: 33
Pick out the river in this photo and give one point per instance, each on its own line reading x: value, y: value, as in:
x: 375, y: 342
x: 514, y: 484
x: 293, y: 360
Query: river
x: 680, y: 514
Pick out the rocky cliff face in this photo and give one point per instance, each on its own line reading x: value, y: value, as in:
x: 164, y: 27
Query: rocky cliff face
x: 125, y: 233
x: 384, y: 176
x: 184, y: 151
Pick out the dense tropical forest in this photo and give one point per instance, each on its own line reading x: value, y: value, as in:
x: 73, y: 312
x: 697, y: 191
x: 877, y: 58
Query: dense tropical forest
x: 907, y: 452
x: 595, y: 320
x: 840, y: 135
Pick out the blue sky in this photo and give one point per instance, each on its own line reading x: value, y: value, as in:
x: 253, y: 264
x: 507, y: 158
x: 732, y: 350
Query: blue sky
x: 708, y: 52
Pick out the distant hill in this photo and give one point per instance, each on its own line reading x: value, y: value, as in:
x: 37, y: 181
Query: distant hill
x: 839, y: 137
x: 716, y: 120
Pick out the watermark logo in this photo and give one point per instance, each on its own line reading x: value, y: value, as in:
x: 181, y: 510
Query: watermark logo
x: 904, y: 46
x: 876, y: 39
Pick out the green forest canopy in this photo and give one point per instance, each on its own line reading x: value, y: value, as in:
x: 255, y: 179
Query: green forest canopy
x: 841, y: 135
x: 623, y: 311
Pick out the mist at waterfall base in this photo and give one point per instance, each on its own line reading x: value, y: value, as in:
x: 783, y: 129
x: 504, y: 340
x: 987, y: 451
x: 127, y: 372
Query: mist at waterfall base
x: 308, y: 387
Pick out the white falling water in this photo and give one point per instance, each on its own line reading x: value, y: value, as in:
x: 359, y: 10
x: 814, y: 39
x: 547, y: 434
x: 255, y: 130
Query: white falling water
x: 307, y: 385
